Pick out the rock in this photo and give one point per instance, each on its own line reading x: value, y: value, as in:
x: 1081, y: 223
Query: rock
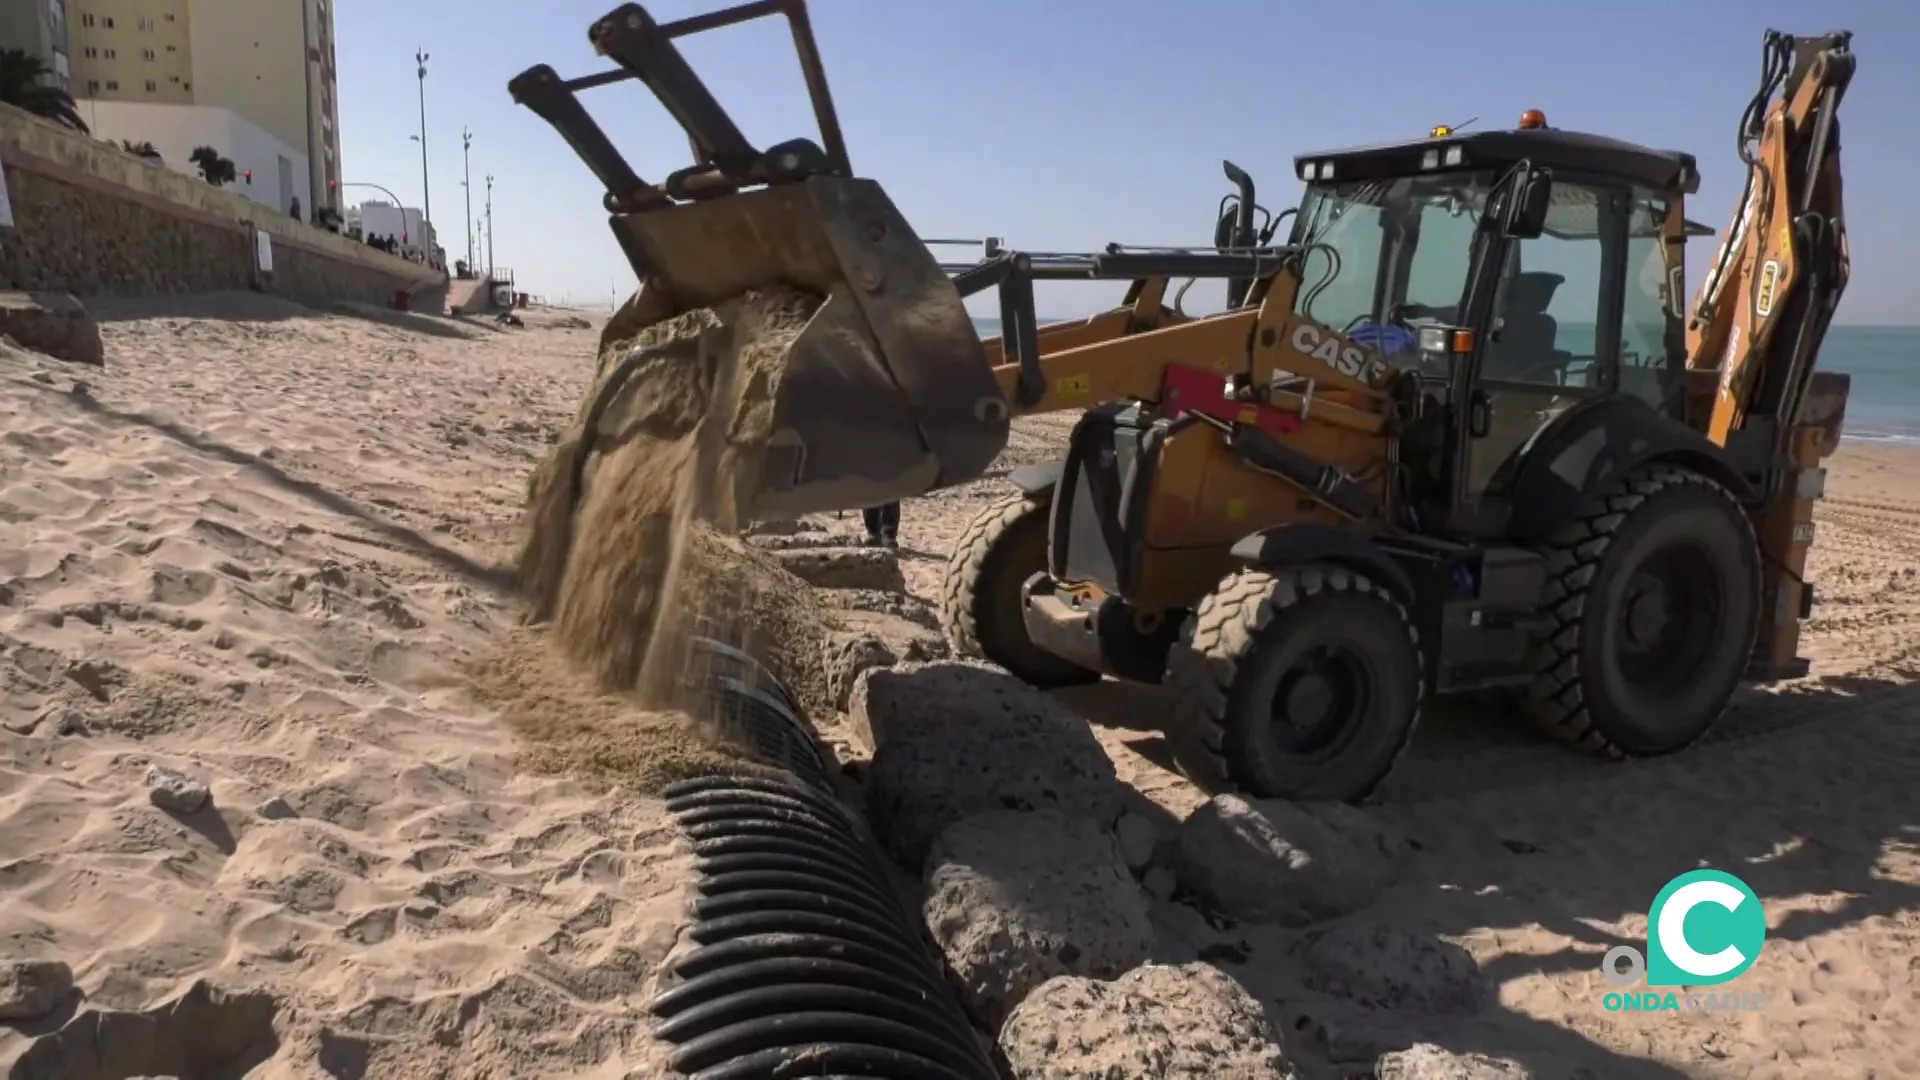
x: 1138, y: 840
x: 101, y: 678
x: 276, y: 809
x: 52, y: 323
x: 954, y: 738
x: 844, y: 567
x: 54, y: 719
x: 1015, y: 898
x: 176, y: 793
x: 776, y: 527
x: 1159, y: 1022
x: 901, y: 606
x: 1425, y: 1061
x: 1159, y: 883
x: 31, y: 989
x: 848, y: 656
x: 1385, y: 967
x: 1294, y: 864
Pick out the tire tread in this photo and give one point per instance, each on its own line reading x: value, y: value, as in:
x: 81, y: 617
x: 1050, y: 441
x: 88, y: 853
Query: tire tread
x: 1556, y: 700
x: 1224, y: 630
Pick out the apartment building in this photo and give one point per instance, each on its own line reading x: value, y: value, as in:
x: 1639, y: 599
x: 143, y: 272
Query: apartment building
x: 39, y: 27
x: 270, y: 62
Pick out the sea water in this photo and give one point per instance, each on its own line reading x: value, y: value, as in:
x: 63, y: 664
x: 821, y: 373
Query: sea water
x: 1884, y: 404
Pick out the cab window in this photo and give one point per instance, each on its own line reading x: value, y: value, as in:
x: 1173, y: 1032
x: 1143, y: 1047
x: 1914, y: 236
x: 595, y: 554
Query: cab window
x: 1547, y: 312
x: 1649, y: 308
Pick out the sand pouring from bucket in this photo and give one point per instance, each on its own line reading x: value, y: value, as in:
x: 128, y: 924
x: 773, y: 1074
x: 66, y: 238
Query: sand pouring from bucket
x: 887, y: 393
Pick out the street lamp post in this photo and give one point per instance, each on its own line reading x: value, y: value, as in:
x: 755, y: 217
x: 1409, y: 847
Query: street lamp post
x: 388, y: 192
x: 420, y: 57
x: 466, y: 181
x: 489, y: 225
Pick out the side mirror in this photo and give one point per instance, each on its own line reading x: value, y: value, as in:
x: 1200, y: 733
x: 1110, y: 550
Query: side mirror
x: 1529, y: 218
x: 1223, y: 230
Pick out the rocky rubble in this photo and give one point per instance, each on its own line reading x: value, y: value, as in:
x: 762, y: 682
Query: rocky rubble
x: 953, y: 739
x: 1190, y: 1022
x: 1290, y: 864
x: 842, y: 567
x: 1017, y: 897
x: 1043, y: 882
x: 1385, y: 967
x: 1424, y: 1061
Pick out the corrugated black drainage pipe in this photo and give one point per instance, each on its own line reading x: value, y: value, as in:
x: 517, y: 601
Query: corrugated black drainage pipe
x: 805, y: 964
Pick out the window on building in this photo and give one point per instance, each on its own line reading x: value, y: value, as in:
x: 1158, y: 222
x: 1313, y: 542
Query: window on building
x: 147, y: 54
x: 186, y: 86
x: 146, y: 22
x: 113, y: 84
x: 92, y: 52
x: 168, y: 16
x: 86, y: 20
x: 152, y: 86
x: 108, y: 53
x: 93, y: 86
x: 175, y: 79
x: 173, y: 48
x: 107, y: 21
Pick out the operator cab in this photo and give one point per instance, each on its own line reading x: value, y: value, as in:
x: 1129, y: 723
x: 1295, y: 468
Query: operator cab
x: 1513, y: 275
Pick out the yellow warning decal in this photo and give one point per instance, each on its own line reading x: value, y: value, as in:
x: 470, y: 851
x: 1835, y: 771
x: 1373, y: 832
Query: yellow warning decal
x: 1072, y: 385
x: 1769, y: 284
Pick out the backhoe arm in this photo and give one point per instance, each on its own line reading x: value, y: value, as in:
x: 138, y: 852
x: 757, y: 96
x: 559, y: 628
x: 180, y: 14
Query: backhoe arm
x: 1765, y: 304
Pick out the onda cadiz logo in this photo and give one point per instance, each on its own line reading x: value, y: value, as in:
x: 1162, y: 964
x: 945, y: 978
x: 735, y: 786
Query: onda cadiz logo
x: 1705, y: 928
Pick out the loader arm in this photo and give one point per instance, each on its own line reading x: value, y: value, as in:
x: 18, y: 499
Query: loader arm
x: 1076, y: 365
x: 1763, y: 311
x: 1144, y: 309
x: 1765, y: 304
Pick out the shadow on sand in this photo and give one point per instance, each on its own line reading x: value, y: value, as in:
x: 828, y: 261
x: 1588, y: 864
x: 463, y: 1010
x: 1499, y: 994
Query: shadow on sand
x: 251, y: 307
x: 1802, y: 793
x: 388, y: 533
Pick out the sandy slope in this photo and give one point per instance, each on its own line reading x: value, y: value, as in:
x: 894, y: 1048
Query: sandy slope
x: 257, y: 548
x: 255, y: 551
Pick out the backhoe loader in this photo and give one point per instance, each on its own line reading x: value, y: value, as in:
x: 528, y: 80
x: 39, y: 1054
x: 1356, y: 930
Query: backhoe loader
x: 1458, y: 433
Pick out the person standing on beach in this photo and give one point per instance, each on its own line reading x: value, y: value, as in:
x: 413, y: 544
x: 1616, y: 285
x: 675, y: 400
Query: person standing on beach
x: 883, y: 525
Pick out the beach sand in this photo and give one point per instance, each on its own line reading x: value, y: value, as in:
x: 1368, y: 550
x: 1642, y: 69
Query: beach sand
x: 262, y: 546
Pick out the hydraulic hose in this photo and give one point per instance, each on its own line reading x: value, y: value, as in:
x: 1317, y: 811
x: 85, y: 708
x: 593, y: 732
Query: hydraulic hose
x: 805, y: 963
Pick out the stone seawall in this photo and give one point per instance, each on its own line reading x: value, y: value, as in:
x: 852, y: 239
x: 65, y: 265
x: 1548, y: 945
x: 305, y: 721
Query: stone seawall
x: 92, y: 220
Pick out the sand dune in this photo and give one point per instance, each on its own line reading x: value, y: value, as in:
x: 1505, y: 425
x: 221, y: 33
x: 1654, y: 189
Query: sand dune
x: 257, y: 550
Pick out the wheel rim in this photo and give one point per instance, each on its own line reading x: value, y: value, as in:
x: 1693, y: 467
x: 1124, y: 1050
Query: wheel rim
x: 1667, y: 619
x: 1322, y: 701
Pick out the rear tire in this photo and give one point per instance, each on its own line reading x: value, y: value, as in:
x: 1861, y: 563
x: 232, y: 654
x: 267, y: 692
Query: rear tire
x: 981, y: 607
x: 1266, y: 650
x: 1655, y: 599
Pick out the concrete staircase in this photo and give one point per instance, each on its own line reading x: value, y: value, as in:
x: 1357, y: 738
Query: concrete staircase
x: 473, y: 297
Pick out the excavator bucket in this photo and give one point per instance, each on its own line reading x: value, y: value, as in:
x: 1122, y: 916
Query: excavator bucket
x: 887, y: 391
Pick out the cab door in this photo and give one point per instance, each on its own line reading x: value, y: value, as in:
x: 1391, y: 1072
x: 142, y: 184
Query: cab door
x: 1550, y: 340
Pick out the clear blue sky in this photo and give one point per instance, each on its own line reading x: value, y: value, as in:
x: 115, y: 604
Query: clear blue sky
x: 1064, y: 124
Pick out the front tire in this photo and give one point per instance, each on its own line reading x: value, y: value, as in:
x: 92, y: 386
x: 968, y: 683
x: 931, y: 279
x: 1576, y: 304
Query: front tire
x: 1655, y: 599
x: 981, y: 607
x: 1299, y: 683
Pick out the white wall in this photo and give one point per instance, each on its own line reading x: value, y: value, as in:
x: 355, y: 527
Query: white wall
x: 379, y: 218
x: 175, y: 130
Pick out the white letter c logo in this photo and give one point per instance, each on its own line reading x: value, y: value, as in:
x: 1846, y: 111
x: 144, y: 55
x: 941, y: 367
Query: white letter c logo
x: 1673, y: 928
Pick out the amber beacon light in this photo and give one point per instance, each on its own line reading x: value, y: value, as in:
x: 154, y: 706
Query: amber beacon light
x: 1532, y: 120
